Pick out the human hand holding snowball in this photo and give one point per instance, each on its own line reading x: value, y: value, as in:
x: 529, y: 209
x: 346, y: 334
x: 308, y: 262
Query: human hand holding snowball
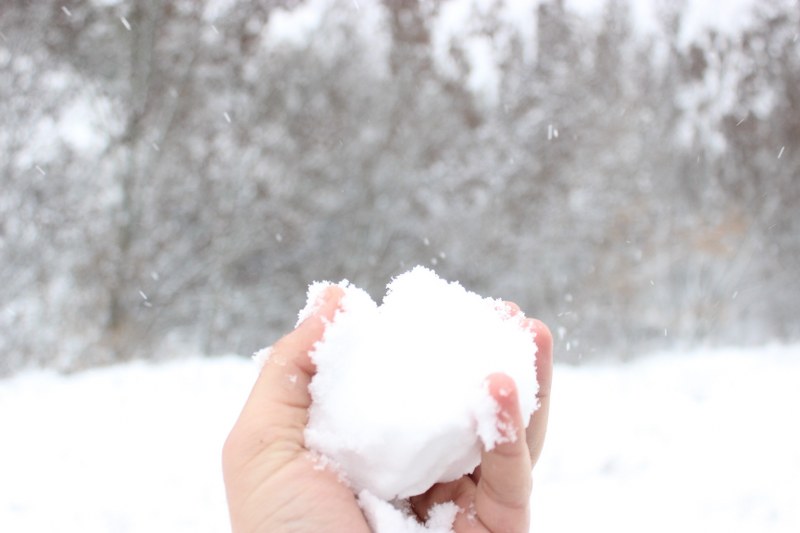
x: 274, y: 482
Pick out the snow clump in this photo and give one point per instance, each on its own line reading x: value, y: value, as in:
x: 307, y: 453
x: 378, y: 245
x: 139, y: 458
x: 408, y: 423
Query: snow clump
x: 400, y: 398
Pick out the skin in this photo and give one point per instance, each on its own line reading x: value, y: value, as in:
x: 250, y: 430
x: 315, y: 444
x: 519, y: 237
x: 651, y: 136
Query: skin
x: 274, y: 485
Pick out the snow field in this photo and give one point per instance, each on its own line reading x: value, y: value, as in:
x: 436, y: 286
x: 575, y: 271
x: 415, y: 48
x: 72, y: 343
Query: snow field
x: 704, y: 441
x: 690, y: 442
x: 132, y: 448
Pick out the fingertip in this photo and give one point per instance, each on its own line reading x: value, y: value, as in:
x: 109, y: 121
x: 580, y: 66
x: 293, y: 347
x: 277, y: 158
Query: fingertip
x: 511, y: 308
x: 503, y: 389
x: 544, y: 354
x: 324, y: 307
x: 333, y: 294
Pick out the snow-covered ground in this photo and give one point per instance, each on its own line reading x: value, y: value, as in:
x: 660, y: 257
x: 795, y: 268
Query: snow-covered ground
x: 705, y: 441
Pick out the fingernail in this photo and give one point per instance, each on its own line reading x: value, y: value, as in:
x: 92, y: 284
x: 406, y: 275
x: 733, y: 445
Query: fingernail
x: 315, y: 299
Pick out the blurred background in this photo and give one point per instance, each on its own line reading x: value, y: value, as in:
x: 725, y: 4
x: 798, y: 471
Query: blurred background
x: 174, y: 174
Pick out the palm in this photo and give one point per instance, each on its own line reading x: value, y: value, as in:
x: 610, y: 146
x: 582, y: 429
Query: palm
x: 312, y: 498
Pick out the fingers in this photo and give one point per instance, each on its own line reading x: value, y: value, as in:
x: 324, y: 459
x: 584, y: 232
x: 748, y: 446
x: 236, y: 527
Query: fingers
x: 497, y: 496
x: 544, y: 373
x: 280, y: 399
x: 461, y: 492
x: 500, y: 499
x: 503, y: 492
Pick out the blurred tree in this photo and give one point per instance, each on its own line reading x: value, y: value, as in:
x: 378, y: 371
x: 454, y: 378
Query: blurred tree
x: 176, y: 173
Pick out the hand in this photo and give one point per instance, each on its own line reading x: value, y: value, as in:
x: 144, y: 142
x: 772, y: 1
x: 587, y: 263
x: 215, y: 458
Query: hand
x: 273, y: 484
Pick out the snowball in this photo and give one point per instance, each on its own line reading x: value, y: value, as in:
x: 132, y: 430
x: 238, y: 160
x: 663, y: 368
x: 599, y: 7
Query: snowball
x: 394, y: 518
x: 400, y: 399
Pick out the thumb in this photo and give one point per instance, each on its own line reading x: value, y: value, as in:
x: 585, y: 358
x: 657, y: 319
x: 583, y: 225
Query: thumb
x: 279, y: 400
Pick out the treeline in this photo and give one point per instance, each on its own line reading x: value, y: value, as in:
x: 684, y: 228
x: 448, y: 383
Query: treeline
x: 173, y: 175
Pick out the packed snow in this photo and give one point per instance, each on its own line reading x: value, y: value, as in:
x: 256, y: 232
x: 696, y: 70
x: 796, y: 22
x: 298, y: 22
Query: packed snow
x: 700, y: 441
x: 400, y: 397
